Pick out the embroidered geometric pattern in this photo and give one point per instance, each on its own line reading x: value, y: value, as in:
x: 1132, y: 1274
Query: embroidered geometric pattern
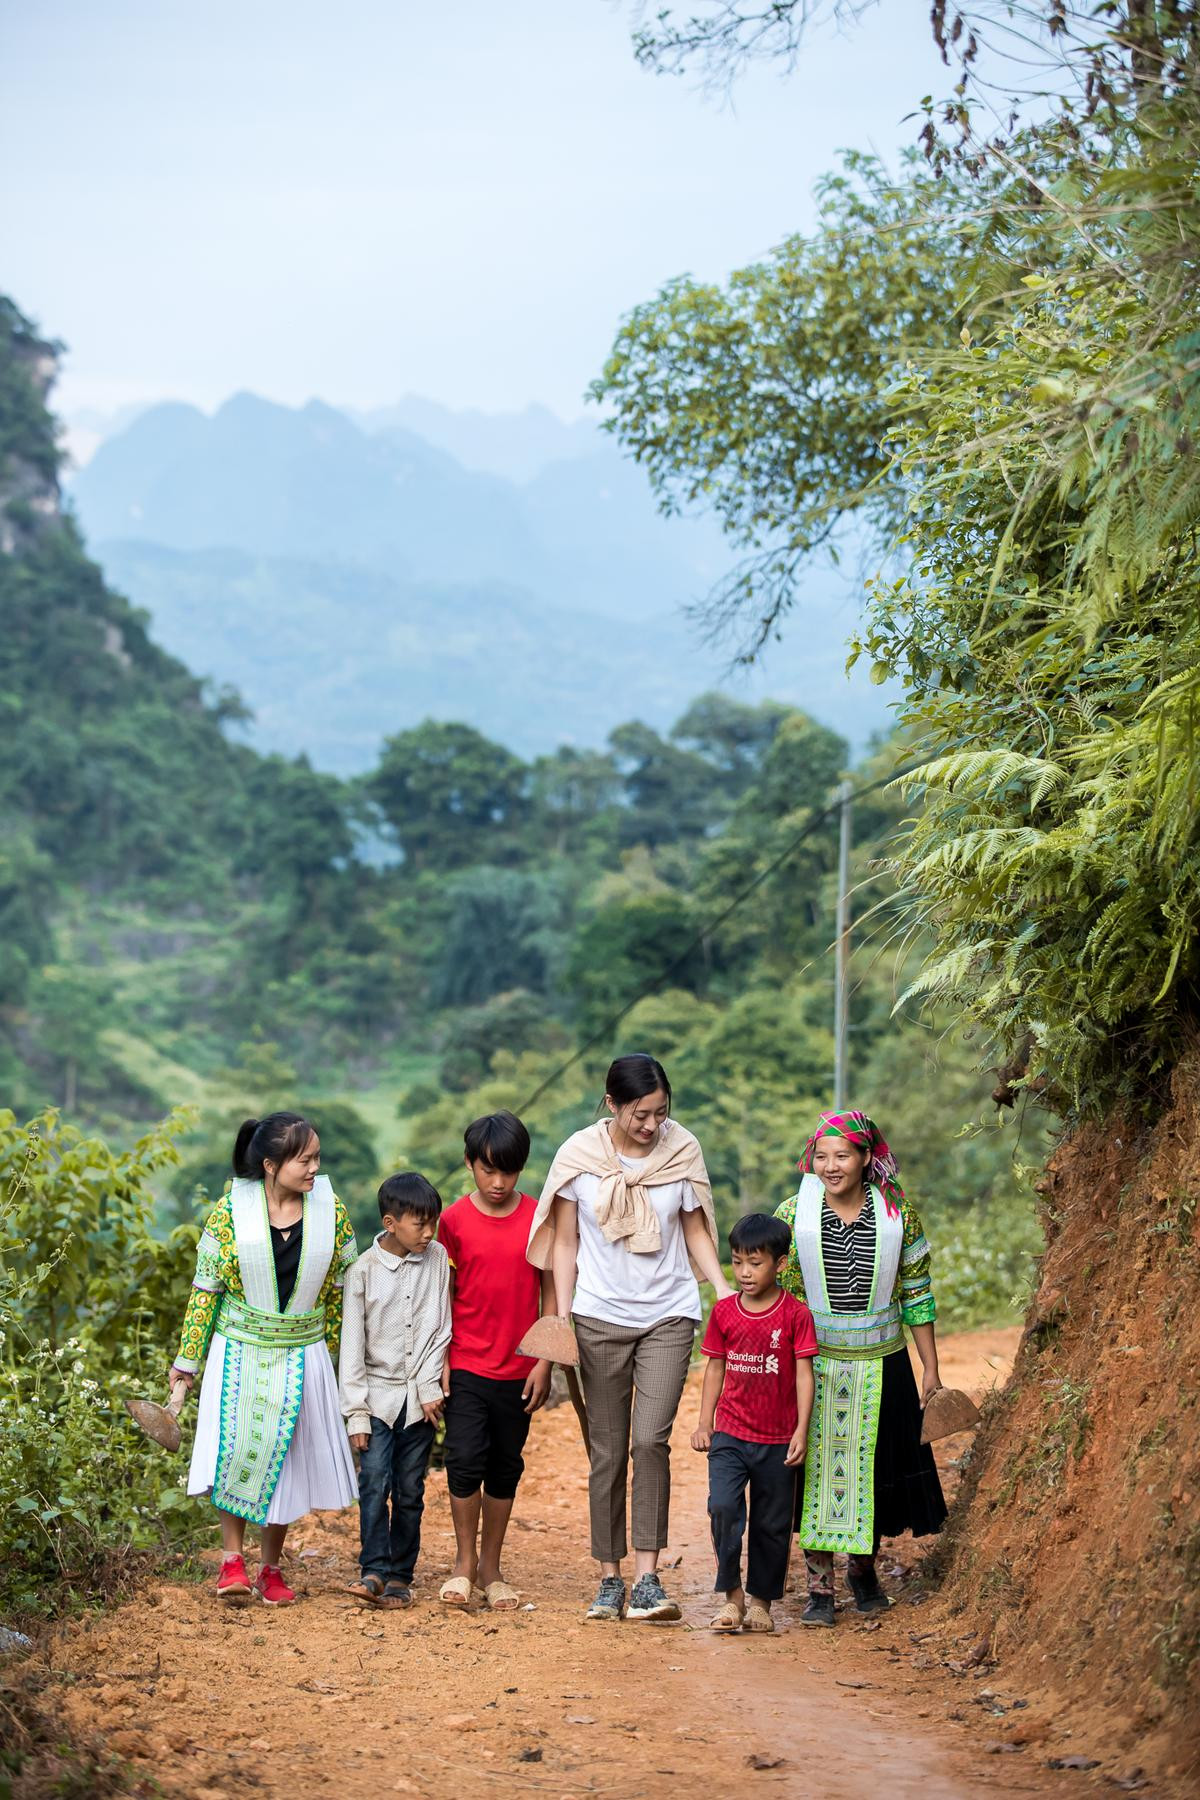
x: 916, y: 1292
x: 273, y: 1330
x: 261, y: 1391
x: 839, y: 1476
x: 218, y: 1271
x: 852, y: 1334
x: 913, y: 1288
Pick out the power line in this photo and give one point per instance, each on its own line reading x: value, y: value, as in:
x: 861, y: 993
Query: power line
x: 845, y: 794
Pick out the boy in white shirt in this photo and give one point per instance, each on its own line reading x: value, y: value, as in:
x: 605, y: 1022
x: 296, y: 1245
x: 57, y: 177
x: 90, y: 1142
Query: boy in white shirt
x: 395, y: 1333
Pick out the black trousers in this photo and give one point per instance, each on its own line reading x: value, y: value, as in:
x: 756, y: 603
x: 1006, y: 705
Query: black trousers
x: 735, y: 1466
x: 486, y: 1428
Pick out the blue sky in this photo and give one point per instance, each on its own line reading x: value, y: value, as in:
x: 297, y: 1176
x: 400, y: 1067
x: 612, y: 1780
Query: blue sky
x: 384, y: 196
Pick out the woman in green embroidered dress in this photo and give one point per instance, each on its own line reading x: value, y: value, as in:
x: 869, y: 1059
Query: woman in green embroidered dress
x: 860, y: 1261
x: 266, y: 1306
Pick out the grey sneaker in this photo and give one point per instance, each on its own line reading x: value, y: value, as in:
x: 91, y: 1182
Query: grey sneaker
x: 610, y: 1600
x: 650, y: 1601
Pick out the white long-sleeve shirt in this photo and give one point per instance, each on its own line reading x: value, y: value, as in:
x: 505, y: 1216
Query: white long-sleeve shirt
x: 395, y: 1331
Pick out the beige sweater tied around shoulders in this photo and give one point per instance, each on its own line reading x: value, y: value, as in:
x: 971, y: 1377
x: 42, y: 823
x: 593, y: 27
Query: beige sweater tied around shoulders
x: 624, y: 1210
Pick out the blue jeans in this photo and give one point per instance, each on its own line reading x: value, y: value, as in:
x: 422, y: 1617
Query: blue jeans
x: 392, y: 1468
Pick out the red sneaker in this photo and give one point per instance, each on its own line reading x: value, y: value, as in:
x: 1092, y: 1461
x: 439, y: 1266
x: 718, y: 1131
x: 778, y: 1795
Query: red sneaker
x: 233, y: 1583
x: 273, y: 1588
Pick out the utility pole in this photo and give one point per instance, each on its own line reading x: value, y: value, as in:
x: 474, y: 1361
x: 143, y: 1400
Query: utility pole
x: 842, y: 965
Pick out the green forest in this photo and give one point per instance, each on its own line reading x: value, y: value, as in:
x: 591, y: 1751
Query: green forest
x: 194, y: 932
x: 988, y: 364
x: 192, y: 924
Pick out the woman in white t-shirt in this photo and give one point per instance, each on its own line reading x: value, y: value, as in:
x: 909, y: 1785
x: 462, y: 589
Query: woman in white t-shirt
x: 626, y: 1223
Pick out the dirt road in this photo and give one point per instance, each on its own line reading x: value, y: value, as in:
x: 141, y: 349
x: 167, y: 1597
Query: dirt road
x: 432, y: 1703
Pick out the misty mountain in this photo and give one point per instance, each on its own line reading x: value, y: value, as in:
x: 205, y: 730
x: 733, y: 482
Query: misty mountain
x: 348, y: 582
x: 517, y: 445
x: 308, y: 482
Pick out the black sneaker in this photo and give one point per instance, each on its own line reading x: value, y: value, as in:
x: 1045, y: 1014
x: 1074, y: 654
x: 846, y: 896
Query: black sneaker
x: 650, y: 1601
x: 869, y: 1597
x: 819, y: 1610
x: 610, y: 1599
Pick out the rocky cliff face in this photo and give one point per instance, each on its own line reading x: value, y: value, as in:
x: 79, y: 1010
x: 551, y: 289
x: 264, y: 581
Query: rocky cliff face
x: 29, y: 455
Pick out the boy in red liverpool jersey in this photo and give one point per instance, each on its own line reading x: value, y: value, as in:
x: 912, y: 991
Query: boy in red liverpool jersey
x: 754, y: 1411
x: 495, y: 1296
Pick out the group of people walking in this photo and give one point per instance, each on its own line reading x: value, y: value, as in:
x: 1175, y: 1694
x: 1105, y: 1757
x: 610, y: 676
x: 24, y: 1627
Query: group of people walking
x: 809, y: 1408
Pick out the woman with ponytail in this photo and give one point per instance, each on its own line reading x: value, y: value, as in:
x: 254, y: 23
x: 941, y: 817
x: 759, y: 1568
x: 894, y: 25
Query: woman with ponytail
x: 266, y: 1306
x: 860, y: 1260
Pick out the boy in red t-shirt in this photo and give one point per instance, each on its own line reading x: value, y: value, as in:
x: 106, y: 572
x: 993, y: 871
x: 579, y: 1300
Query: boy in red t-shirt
x: 491, y: 1392
x: 754, y: 1411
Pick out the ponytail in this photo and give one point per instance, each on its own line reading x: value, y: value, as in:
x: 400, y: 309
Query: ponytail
x: 241, y: 1148
x: 274, y: 1139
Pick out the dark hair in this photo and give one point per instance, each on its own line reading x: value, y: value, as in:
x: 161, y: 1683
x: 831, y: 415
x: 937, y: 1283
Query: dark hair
x: 498, y: 1138
x: 761, y: 1231
x: 276, y: 1138
x: 633, y: 1077
x: 409, y: 1193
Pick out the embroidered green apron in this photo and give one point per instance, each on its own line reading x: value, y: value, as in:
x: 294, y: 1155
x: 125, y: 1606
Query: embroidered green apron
x: 262, y: 1381
x: 839, y: 1469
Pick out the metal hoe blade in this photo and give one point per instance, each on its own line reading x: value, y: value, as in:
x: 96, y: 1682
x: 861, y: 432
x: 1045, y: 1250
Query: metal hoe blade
x: 160, y: 1423
x: 551, y: 1338
x: 948, y: 1411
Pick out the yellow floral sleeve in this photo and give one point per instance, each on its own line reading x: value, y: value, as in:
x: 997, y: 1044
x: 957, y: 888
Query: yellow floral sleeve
x: 210, y: 1281
x: 790, y: 1277
x: 345, y: 1252
x: 914, y: 1288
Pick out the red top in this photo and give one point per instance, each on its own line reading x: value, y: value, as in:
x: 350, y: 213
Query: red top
x: 497, y: 1292
x: 758, y: 1400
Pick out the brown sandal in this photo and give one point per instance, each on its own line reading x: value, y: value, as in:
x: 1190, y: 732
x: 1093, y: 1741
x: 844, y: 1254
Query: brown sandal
x: 368, y: 1591
x: 758, y: 1617
x: 729, y: 1618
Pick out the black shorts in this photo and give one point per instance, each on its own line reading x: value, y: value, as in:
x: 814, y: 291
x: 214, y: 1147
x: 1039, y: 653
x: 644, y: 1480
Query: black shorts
x: 486, y: 1428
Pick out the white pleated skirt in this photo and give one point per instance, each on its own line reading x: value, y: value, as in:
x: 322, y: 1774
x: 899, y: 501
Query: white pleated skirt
x: 318, y: 1470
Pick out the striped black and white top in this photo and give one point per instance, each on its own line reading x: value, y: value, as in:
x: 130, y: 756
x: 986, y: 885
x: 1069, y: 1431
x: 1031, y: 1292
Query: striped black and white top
x: 848, y: 1252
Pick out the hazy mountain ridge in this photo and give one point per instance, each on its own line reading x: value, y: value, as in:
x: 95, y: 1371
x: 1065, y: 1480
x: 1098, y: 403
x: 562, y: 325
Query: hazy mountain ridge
x: 348, y: 582
x: 517, y: 445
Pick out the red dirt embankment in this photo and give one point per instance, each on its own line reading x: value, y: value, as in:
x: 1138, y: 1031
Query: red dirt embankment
x: 321, y: 1697
x: 1077, y: 1554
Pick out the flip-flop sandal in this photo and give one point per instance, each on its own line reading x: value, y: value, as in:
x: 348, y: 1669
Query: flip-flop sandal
x: 728, y: 1619
x: 458, y: 1591
x: 368, y: 1591
x: 757, y: 1618
x: 396, y: 1595
x: 500, y: 1597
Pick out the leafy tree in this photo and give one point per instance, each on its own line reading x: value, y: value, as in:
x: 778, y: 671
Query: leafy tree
x: 451, y: 796
x: 72, y: 1007
x: 26, y: 888
x: 671, y: 793
x: 731, y: 735
x: 27, y: 434
x: 763, y: 399
x: 505, y: 928
x: 800, y: 769
x: 573, y: 796
x: 1020, y: 408
x: 513, y: 1022
x: 629, y: 942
